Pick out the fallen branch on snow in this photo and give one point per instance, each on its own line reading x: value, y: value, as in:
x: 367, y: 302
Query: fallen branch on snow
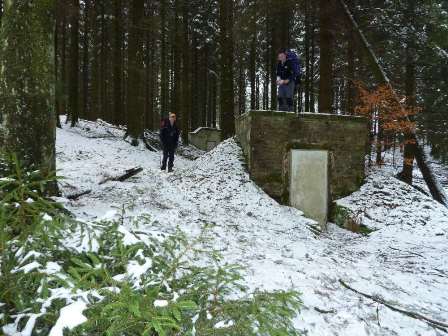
x: 148, y: 145
x: 411, y: 253
x: 323, y: 311
x: 129, y: 173
x: 436, y: 324
x: 74, y: 197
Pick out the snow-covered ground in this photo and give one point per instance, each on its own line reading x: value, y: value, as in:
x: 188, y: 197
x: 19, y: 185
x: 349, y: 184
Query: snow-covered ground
x: 405, y: 261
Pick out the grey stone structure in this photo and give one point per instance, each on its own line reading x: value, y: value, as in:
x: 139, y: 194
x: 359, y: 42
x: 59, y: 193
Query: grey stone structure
x: 205, y: 138
x: 267, y: 138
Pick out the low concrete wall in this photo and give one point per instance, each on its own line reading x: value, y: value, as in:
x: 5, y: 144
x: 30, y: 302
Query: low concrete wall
x: 267, y: 137
x: 205, y: 138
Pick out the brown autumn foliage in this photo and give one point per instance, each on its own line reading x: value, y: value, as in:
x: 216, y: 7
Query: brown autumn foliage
x: 381, y: 107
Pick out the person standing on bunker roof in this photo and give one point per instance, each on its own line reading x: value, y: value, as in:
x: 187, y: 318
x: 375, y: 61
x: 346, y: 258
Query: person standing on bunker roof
x: 288, y: 78
x: 169, y: 137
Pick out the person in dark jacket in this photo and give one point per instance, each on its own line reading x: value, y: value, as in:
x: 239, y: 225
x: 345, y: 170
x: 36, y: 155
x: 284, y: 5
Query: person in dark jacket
x: 169, y: 137
x: 285, y: 82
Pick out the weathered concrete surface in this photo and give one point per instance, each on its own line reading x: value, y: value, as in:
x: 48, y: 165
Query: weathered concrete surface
x: 267, y: 137
x: 205, y: 138
x: 309, y: 183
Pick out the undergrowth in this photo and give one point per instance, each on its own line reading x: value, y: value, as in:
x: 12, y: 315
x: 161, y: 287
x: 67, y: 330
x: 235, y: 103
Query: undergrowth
x: 130, y: 282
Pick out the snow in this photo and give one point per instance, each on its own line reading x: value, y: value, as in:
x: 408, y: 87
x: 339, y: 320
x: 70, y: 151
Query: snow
x: 27, y: 268
x: 136, y: 270
x: 224, y: 324
x: 52, y: 268
x: 70, y: 317
x: 403, y: 261
x: 30, y: 325
x: 31, y: 254
x: 47, y: 217
x: 160, y: 303
x: 129, y: 238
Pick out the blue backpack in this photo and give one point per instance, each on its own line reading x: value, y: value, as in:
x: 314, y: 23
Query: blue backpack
x: 295, y: 62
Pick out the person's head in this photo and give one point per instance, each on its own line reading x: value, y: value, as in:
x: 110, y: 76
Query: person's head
x: 172, y: 117
x: 282, y: 55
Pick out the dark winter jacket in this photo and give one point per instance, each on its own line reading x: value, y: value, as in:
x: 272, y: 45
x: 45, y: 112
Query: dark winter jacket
x: 285, y: 70
x: 169, y: 135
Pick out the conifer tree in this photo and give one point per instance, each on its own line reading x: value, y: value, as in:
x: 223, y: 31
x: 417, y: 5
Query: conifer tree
x: 227, y: 120
x: 27, y: 84
x: 135, y: 67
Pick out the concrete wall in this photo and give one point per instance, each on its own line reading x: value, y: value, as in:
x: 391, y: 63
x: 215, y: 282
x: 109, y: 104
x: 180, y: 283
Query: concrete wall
x: 243, y: 129
x: 205, y: 138
x: 268, y: 136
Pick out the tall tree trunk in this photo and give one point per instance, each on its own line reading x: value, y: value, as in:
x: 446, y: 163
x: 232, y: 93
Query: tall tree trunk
x: 104, y: 112
x: 27, y: 86
x: 257, y: 92
x: 177, y: 60
x: 117, y: 63
x: 409, y: 147
x: 227, y: 117
x: 152, y: 64
x: 186, y: 86
x: 267, y: 76
x: 95, y: 98
x: 148, y: 108
x: 267, y: 57
x: 307, y: 54
x: 350, y: 89
x: 164, y: 75
x: 326, y: 57
x: 379, y: 138
x: 214, y: 100
x: 194, y: 100
x: 85, y: 61
x: 74, y: 62
x: 135, y: 68
x: 312, y: 56
x: 149, y: 66
x: 205, y: 79
x: 253, y: 54
x: 274, y: 46
x: 57, y: 100
x: 62, y: 88
x: 241, y: 87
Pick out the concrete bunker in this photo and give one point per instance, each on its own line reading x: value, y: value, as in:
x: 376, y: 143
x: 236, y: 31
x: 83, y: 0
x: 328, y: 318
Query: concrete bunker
x: 305, y: 160
x: 205, y: 138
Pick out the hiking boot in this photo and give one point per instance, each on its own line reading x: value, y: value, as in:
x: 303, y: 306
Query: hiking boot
x: 162, y: 168
x: 170, y: 170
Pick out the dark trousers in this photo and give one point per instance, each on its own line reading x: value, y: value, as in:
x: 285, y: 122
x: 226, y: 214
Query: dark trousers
x: 285, y: 97
x: 168, y: 155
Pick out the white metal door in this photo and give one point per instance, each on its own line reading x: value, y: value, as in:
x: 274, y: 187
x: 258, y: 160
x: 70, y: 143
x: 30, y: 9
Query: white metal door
x: 309, y: 183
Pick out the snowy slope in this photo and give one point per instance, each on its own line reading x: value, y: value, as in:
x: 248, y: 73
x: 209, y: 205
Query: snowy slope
x: 404, y: 261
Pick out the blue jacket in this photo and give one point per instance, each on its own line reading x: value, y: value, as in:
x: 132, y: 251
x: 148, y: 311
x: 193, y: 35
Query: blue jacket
x: 285, y: 70
x: 169, y: 135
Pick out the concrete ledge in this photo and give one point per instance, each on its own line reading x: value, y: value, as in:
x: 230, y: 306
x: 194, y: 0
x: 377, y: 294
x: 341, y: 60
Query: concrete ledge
x: 205, y: 138
x: 325, y: 116
x: 303, y: 115
x: 200, y: 129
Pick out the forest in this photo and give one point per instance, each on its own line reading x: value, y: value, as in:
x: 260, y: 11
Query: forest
x: 129, y: 63
x: 96, y: 238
